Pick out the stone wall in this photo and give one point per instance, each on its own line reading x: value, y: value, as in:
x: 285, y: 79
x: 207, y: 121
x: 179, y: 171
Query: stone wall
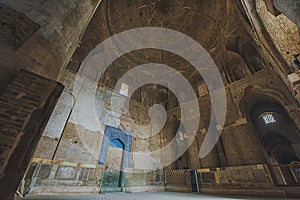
x: 81, y: 141
x: 71, y: 137
x: 74, y: 138
x: 242, y: 177
x: 240, y: 144
x: 238, y: 177
x: 79, y: 138
x: 47, y: 176
x: 61, y: 177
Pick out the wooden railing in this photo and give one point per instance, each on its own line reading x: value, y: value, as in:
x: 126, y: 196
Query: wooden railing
x: 288, y: 174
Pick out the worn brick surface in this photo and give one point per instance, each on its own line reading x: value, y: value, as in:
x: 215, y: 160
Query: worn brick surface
x: 22, y: 107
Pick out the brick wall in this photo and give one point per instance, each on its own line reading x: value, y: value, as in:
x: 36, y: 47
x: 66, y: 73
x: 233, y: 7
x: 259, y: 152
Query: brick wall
x: 25, y: 106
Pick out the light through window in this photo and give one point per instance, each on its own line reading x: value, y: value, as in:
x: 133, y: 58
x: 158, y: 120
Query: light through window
x: 124, y: 89
x: 269, y: 118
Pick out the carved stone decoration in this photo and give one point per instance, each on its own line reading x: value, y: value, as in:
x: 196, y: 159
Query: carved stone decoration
x: 15, y: 28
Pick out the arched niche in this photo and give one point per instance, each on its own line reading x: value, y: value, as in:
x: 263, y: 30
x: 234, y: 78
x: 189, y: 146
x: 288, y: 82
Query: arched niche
x: 112, y: 134
x: 235, y: 67
x: 275, y: 129
x: 256, y: 65
x: 244, y: 46
x: 254, y: 93
x: 269, y: 113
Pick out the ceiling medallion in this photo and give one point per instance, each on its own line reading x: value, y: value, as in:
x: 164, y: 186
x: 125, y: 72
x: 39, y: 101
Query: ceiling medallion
x: 165, y: 10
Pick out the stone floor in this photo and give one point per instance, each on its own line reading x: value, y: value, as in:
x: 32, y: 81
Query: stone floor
x: 131, y: 196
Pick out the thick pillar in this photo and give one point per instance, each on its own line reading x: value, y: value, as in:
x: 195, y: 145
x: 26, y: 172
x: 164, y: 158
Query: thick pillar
x: 193, y: 160
x: 25, y: 107
x: 40, y: 35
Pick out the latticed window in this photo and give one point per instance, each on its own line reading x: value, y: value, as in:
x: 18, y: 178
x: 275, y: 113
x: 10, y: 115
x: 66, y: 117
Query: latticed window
x: 269, y: 118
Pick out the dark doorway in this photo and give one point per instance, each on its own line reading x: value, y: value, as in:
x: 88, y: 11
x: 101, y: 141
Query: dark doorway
x: 277, y: 133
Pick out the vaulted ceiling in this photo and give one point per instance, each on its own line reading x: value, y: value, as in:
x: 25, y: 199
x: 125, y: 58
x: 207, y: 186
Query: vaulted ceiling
x: 221, y: 27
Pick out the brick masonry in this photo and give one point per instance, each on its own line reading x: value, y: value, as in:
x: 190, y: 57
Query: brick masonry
x: 25, y: 106
x: 282, y: 31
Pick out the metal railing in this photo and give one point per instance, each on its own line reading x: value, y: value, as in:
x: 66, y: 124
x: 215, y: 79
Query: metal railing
x: 288, y: 174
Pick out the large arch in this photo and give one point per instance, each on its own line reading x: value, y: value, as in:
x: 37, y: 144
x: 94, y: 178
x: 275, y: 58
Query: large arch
x: 273, y: 126
x: 255, y: 93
